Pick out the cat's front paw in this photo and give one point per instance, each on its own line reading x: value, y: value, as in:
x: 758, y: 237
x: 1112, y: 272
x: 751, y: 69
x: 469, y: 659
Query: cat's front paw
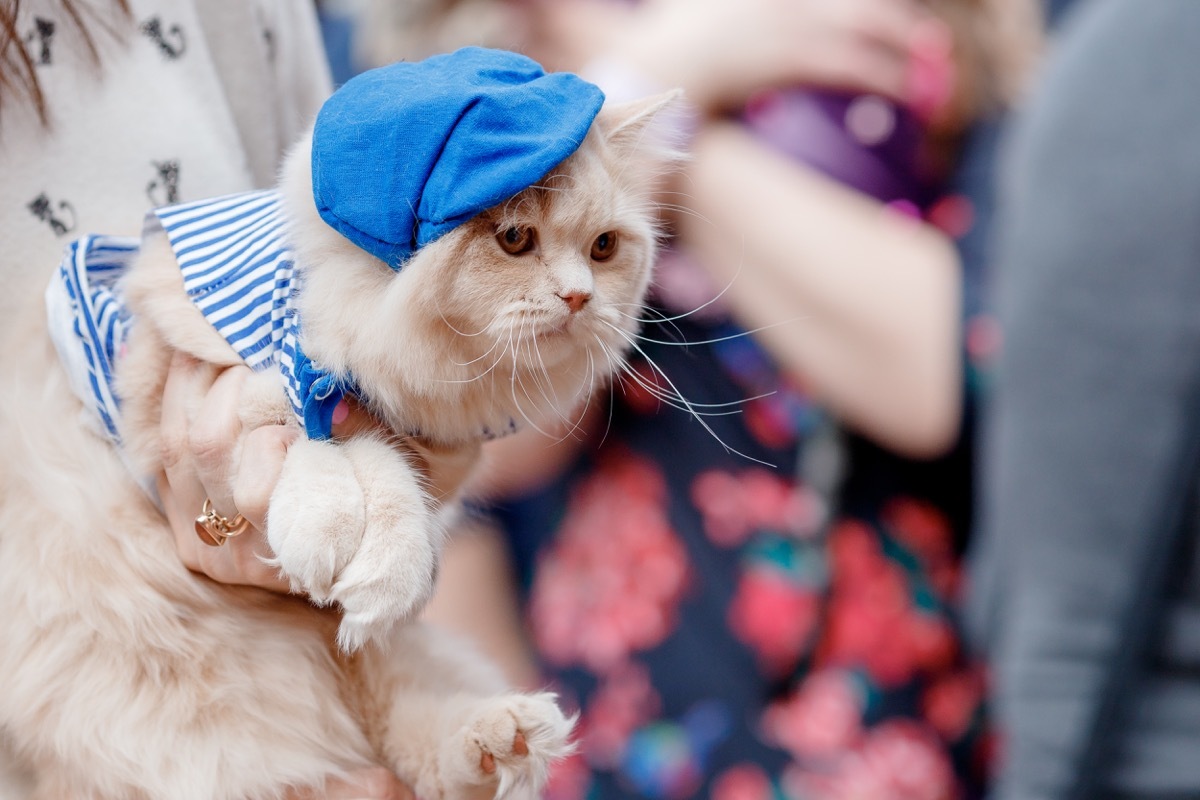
x: 509, y: 743
x: 350, y: 524
x: 316, y: 517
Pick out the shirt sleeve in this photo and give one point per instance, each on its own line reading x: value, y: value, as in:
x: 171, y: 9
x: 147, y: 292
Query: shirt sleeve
x: 1098, y: 295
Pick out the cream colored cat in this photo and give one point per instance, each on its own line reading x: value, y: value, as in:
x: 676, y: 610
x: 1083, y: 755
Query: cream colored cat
x: 126, y: 676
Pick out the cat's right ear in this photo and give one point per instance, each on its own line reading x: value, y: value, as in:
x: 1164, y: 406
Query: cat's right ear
x: 660, y: 125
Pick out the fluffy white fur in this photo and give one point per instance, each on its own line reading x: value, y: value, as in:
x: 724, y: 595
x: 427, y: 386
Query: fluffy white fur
x: 126, y: 676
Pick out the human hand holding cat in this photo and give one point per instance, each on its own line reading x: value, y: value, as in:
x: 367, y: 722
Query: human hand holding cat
x: 208, y: 454
x: 201, y: 445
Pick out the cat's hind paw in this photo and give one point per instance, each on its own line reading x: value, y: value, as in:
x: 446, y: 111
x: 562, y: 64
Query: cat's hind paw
x: 510, y: 743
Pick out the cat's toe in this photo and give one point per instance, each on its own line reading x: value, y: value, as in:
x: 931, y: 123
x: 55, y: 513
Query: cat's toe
x: 487, y: 761
x: 391, y: 574
x: 316, y: 517
x: 513, y: 741
x: 373, y: 602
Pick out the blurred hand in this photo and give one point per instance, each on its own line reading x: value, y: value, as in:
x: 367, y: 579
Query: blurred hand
x: 377, y: 784
x: 722, y: 51
x: 207, y: 453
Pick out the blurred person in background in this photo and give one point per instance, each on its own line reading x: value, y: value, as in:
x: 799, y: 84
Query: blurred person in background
x: 751, y: 592
x: 108, y: 109
x: 1085, y: 572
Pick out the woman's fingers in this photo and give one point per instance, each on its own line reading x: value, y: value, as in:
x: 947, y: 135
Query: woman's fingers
x: 262, y: 454
x: 892, y: 24
x: 207, y: 455
x: 183, y: 383
x: 214, y: 438
x: 723, y: 53
x: 861, y: 45
x: 863, y: 65
x: 376, y: 783
x: 181, y: 492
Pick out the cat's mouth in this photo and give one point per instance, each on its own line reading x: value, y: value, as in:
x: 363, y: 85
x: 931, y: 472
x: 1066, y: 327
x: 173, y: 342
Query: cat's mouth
x: 556, y: 329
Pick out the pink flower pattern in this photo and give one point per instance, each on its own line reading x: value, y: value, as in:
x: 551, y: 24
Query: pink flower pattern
x: 735, y: 505
x: 611, y: 583
x: 898, y: 760
x: 850, y: 627
x: 774, y: 616
x: 742, y: 782
x: 822, y: 719
x: 624, y: 702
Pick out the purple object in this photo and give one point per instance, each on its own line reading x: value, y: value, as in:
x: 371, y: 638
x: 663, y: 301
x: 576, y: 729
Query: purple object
x: 863, y: 141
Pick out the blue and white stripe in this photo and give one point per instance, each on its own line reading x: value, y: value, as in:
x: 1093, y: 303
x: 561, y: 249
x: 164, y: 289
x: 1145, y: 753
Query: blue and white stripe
x: 88, y: 321
x: 240, y: 274
x: 236, y: 268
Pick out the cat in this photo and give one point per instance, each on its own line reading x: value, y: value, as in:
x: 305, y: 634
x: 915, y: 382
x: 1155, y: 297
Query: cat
x: 129, y: 677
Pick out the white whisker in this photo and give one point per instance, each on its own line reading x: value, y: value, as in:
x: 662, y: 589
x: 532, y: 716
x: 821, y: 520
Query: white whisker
x: 688, y: 406
x: 548, y: 386
x: 613, y: 359
x: 650, y: 320
x: 575, y: 428
x: 483, y: 374
x: 719, y: 339
x: 450, y: 325
x: 516, y: 380
x: 676, y: 401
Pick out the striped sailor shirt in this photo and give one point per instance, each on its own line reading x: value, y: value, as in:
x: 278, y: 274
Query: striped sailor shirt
x: 238, y: 271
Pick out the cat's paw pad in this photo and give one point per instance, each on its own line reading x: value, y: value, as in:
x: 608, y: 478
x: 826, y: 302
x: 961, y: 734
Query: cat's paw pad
x: 513, y: 740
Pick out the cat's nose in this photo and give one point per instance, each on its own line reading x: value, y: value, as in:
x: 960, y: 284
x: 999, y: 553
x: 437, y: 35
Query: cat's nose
x: 576, y: 300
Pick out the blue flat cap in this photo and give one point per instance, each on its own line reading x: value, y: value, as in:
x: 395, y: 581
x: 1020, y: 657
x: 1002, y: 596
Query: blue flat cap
x: 404, y: 153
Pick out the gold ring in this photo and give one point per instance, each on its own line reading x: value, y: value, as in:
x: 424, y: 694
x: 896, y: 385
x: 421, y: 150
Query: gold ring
x: 214, y: 529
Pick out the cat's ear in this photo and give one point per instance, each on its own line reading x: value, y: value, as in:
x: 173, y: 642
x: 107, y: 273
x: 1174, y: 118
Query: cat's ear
x: 659, y: 123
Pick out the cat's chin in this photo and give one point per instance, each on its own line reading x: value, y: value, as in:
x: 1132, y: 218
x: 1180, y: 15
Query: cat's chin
x: 560, y: 332
x: 555, y: 345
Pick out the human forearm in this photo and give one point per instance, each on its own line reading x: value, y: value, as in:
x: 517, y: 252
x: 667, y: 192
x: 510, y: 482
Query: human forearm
x: 870, y: 299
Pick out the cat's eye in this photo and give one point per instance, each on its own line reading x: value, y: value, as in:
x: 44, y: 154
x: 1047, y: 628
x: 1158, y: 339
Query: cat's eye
x: 604, y: 246
x: 516, y: 241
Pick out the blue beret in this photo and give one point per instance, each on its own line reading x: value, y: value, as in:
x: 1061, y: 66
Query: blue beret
x: 404, y: 153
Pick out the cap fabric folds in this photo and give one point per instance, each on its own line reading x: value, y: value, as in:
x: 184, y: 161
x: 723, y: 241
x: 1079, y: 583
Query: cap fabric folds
x: 404, y: 153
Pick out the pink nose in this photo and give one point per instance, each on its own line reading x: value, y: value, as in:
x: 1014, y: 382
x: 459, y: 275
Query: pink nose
x: 575, y: 300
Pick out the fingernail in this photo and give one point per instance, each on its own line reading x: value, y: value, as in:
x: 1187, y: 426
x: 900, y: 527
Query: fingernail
x: 340, y: 412
x: 931, y: 73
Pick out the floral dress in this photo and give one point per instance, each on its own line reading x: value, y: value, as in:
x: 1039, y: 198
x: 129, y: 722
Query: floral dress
x: 724, y: 629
